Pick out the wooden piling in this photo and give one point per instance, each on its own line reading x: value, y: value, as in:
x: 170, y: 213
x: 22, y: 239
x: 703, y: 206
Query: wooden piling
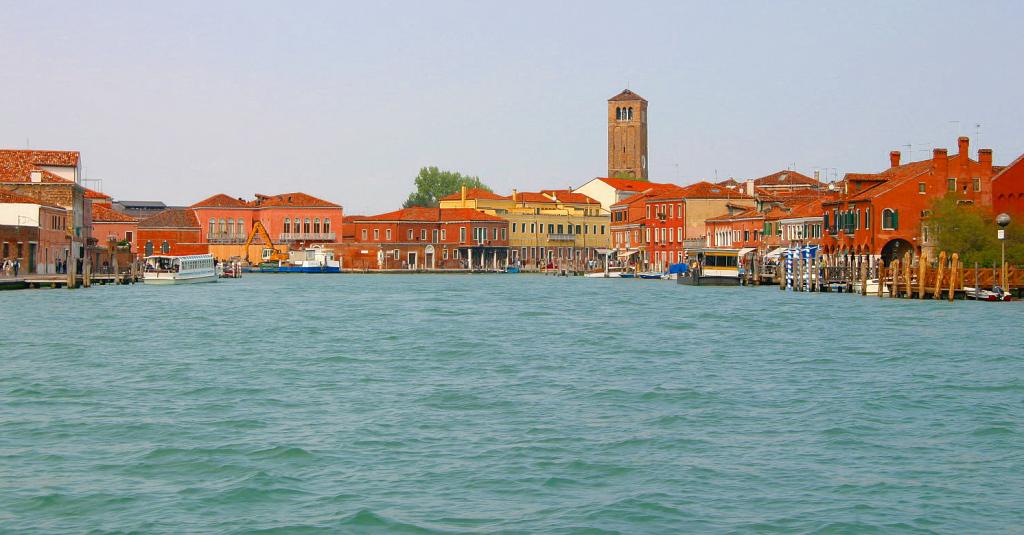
x: 863, y: 278
x: 894, y: 290
x: 922, y: 274
x: 881, y: 278
x: 952, y: 274
x: 937, y: 294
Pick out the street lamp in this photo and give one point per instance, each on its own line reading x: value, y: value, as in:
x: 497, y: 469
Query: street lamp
x: 1002, y: 220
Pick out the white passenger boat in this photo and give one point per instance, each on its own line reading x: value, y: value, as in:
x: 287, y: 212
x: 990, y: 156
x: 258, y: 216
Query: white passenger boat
x: 612, y: 273
x: 163, y: 269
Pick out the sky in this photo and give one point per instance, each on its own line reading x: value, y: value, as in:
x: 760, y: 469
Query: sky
x: 177, y: 101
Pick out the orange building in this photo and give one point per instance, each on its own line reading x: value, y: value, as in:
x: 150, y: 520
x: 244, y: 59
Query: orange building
x: 1008, y: 189
x: 428, y: 238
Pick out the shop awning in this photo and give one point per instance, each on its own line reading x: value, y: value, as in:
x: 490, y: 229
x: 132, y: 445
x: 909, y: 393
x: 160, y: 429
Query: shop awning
x: 745, y: 251
x: 775, y: 253
x: 627, y: 254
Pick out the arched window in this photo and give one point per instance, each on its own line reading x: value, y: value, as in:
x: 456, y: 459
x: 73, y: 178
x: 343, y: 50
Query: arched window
x: 316, y: 226
x: 327, y: 225
x: 305, y: 227
x: 629, y: 116
x: 287, y: 225
x: 890, y: 219
x: 165, y: 247
x: 618, y: 114
x: 213, y: 228
x: 223, y: 224
x: 241, y: 227
x: 149, y: 248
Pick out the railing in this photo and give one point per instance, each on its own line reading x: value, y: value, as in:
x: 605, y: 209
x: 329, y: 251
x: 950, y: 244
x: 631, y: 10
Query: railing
x: 561, y: 237
x: 225, y: 238
x: 305, y: 236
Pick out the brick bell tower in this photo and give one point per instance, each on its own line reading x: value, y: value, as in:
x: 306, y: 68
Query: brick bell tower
x: 627, y: 135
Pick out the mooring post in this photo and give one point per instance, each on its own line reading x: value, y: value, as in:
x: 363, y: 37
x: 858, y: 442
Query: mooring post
x: 937, y: 294
x: 952, y: 274
x: 922, y: 274
x: 881, y: 278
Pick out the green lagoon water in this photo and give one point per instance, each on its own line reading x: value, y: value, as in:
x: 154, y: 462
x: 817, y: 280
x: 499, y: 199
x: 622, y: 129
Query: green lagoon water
x: 506, y: 403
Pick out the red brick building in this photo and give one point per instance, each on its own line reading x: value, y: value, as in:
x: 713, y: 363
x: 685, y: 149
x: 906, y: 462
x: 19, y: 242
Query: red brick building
x: 174, y: 232
x: 428, y: 238
x: 114, y: 229
x: 880, y: 214
x: 295, y: 219
x: 738, y: 229
x: 1008, y: 190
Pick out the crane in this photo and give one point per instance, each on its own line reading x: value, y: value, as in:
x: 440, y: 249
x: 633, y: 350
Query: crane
x: 270, y: 253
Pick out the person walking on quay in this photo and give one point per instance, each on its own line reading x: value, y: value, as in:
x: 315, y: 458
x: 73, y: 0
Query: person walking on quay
x: 5, y: 267
x: 17, y: 265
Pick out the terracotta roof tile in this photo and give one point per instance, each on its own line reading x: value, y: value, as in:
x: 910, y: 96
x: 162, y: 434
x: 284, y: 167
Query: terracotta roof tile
x: 296, y: 199
x: 569, y: 196
x: 627, y: 184
x: 103, y: 214
x: 220, y: 200
x: 173, y: 218
x: 786, y: 178
x: 17, y: 165
x: 90, y: 194
x: 626, y: 95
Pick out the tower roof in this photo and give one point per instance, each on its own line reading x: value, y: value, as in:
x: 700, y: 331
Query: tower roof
x: 626, y: 95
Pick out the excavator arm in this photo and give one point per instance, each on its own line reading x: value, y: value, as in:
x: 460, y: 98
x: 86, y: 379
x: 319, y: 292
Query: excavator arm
x: 257, y: 229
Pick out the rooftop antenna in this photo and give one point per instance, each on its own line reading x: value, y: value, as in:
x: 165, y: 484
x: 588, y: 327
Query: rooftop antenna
x: 977, y: 134
x: 677, y: 173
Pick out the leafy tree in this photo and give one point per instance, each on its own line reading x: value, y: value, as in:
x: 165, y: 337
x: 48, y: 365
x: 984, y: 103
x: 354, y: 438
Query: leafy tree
x: 971, y: 231
x: 432, y: 184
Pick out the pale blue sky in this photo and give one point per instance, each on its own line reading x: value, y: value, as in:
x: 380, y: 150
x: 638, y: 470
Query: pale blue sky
x: 179, y: 100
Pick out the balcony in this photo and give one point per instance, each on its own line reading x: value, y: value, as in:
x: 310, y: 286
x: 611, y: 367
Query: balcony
x: 561, y: 237
x: 286, y: 237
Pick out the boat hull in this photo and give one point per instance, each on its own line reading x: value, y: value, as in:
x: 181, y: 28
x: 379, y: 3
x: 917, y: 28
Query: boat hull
x: 709, y: 280
x: 148, y: 278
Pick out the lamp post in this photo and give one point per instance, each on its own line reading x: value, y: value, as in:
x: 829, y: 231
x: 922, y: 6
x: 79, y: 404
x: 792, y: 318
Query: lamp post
x: 1002, y: 220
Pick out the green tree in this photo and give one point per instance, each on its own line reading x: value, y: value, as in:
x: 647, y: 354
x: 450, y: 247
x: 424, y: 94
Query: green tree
x: 628, y: 176
x: 432, y: 184
x: 971, y: 231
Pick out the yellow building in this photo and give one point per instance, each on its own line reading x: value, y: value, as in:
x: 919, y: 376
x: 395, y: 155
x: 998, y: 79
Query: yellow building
x: 558, y: 228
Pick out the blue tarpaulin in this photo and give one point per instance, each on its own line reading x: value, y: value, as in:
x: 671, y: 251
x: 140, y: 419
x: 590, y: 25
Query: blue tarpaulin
x: 678, y: 268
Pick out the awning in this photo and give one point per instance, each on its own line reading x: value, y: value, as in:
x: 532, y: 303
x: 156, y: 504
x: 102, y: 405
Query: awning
x: 627, y: 254
x: 775, y: 253
x: 745, y: 251
x: 605, y: 251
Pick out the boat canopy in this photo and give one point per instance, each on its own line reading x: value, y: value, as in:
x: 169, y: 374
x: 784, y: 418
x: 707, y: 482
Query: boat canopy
x: 745, y: 251
x: 775, y: 252
x: 627, y: 254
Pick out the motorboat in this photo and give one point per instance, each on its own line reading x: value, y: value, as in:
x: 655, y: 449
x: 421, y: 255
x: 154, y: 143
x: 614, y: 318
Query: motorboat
x: 995, y: 294
x: 166, y: 269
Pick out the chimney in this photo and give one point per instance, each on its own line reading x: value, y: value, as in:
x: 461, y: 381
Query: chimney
x: 894, y: 158
x: 940, y: 162
x: 36, y: 175
x: 985, y: 160
x: 962, y: 143
x: 748, y: 185
x: 463, y: 191
x: 515, y: 196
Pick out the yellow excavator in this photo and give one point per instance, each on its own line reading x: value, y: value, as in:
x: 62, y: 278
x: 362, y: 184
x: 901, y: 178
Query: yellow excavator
x: 270, y: 253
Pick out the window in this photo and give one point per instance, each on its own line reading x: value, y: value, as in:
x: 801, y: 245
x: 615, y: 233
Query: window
x: 223, y: 226
x: 977, y: 183
x: 867, y: 217
x: 648, y: 211
x: 503, y: 234
x: 387, y: 234
x: 462, y: 234
x: 316, y: 226
x: 327, y: 225
x: 410, y: 234
x: 494, y: 234
x: 444, y: 234
x: 533, y: 228
x: 165, y: 247
x: 647, y: 235
x: 397, y: 253
x: 679, y: 234
x: 423, y: 234
x: 305, y: 226
x: 129, y: 236
x: 560, y: 229
x: 363, y: 235
x: 950, y: 184
x: 213, y: 228
x: 376, y: 234
x: 433, y: 234
x: 149, y: 248
x: 921, y: 188
x: 890, y: 219
x: 445, y: 253
x: 602, y: 229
